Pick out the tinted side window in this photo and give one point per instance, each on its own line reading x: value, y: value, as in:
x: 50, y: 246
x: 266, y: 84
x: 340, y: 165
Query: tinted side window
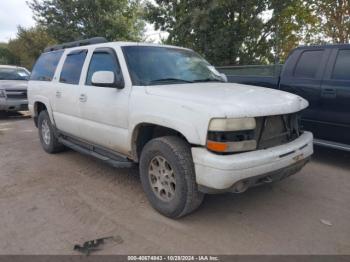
x: 72, y: 67
x: 341, y: 69
x: 45, y: 66
x: 103, y: 61
x: 308, y: 64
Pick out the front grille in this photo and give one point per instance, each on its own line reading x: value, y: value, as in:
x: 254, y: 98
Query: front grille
x: 270, y: 131
x: 16, y: 94
x: 276, y: 130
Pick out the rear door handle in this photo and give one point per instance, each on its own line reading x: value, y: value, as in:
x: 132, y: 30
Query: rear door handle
x: 329, y: 93
x: 82, y: 98
x: 58, y: 94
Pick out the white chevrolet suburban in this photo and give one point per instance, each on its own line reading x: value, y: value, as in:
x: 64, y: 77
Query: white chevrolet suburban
x: 169, y: 111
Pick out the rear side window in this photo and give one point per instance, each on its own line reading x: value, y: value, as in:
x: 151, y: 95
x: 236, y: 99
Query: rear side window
x: 308, y: 64
x: 341, y: 69
x: 103, y: 61
x: 45, y: 66
x: 72, y: 67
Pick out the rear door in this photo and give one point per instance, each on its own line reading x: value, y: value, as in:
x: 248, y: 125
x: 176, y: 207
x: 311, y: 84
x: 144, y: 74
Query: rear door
x: 65, y: 96
x: 303, y: 75
x: 335, y: 97
x: 42, y: 79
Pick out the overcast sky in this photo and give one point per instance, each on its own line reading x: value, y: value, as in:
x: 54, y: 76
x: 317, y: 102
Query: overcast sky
x: 12, y: 14
x: 16, y: 12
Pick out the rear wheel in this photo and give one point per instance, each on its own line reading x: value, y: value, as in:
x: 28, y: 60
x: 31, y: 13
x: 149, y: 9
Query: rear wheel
x: 48, y: 140
x: 168, y: 176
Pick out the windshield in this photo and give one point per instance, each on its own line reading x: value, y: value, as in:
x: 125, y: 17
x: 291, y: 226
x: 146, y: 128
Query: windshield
x: 13, y: 74
x: 150, y: 65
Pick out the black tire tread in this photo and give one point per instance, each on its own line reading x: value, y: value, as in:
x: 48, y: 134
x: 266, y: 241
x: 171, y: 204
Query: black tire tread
x: 181, y: 149
x: 55, y: 146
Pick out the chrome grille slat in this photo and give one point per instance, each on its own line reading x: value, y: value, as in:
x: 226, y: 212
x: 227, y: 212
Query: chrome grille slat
x: 16, y: 94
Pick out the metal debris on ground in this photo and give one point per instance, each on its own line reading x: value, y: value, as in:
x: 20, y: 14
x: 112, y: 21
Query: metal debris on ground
x: 93, y: 245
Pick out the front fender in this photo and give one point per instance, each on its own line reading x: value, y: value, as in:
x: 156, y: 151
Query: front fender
x: 188, y: 130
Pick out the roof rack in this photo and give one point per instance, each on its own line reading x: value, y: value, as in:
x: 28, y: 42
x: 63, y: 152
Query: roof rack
x: 91, y: 41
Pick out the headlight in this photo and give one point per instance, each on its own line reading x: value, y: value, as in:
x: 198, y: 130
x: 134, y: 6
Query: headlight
x: 232, y: 135
x: 232, y: 124
x: 231, y: 147
x: 2, y: 93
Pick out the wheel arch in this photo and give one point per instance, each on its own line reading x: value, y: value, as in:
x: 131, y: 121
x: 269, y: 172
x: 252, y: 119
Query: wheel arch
x: 38, y: 106
x: 144, y: 132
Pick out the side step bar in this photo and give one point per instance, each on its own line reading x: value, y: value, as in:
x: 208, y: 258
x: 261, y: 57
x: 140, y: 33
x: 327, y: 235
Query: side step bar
x: 330, y: 144
x: 116, y: 161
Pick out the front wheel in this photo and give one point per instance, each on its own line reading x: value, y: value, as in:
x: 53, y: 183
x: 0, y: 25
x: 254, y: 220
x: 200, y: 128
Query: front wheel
x: 168, y: 176
x: 48, y: 140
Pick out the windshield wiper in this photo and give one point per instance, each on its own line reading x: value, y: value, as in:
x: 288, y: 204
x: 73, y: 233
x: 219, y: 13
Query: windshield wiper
x: 207, y: 80
x: 170, y: 80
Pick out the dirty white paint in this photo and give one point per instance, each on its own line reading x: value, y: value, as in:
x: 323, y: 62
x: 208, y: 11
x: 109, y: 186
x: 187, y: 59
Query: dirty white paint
x: 109, y: 116
x: 221, y: 172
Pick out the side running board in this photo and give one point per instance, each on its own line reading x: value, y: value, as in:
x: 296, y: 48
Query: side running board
x: 114, y: 160
x: 330, y: 144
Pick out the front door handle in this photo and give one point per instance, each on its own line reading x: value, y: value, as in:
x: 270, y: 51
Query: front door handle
x: 58, y: 94
x: 82, y: 98
x: 329, y: 93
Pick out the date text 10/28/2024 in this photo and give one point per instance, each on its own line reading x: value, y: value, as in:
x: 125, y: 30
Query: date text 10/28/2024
x: 173, y: 258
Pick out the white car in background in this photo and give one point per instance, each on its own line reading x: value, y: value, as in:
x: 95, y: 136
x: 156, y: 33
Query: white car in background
x: 13, y: 88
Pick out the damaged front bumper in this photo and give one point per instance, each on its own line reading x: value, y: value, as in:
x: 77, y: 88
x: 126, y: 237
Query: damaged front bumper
x: 237, y: 172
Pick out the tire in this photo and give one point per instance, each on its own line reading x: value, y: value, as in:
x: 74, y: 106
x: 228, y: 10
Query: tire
x: 174, y: 193
x: 48, y: 140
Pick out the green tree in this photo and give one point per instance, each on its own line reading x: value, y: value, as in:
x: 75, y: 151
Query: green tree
x: 6, y: 57
x: 225, y: 32
x: 229, y: 32
x: 29, y: 44
x: 333, y: 20
x: 72, y: 20
x: 292, y: 23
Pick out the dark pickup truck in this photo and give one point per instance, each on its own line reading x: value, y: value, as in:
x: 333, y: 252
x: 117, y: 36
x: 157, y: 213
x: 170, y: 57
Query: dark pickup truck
x: 320, y: 74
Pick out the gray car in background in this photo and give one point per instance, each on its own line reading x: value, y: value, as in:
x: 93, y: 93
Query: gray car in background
x: 13, y: 88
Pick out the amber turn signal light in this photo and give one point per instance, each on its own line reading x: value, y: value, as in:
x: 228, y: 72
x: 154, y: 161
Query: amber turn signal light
x: 217, y: 146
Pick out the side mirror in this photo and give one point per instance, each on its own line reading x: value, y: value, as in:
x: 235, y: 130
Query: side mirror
x: 224, y: 77
x: 106, y: 79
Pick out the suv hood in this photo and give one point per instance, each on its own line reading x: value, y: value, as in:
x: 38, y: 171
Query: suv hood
x: 13, y: 84
x: 231, y: 100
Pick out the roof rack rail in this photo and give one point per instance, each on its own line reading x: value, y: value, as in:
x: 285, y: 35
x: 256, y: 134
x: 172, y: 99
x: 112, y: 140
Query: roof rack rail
x: 91, y: 41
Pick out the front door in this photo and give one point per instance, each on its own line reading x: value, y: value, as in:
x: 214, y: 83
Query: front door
x: 104, y: 110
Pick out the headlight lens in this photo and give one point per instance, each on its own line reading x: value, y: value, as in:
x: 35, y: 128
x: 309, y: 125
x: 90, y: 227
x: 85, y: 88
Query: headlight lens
x: 232, y: 124
x: 2, y: 93
x: 231, y: 135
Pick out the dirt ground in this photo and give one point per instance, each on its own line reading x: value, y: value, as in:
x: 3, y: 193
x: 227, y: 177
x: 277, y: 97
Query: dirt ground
x: 49, y: 203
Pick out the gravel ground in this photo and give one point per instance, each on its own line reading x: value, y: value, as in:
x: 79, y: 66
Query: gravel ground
x: 49, y: 203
